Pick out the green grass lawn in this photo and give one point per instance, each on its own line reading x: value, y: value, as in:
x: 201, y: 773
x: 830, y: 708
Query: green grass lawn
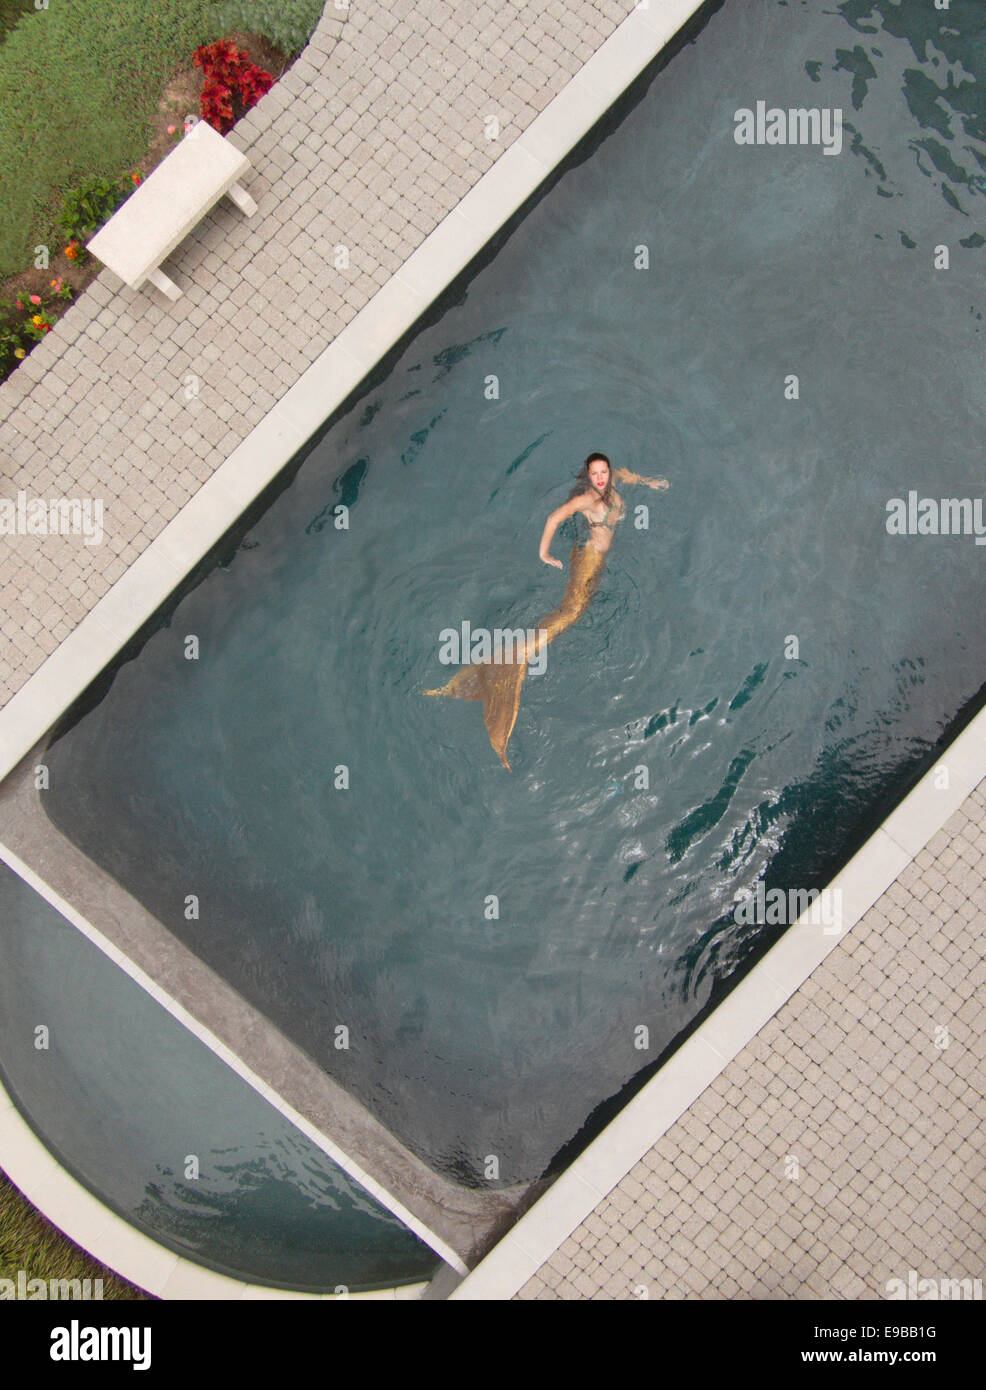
x: 10, y: 13
x: 30, y: 1243
x: 79, y: 83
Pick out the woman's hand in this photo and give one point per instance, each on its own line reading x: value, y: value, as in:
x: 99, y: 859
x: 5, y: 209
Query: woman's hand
x: 623, y: 475
x: 567, y: 509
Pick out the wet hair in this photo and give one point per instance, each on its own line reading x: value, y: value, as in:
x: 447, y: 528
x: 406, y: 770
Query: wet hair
x: 583, y: 483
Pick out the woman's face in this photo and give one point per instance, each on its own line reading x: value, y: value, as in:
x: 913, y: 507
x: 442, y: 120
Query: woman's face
x: 599, y: 474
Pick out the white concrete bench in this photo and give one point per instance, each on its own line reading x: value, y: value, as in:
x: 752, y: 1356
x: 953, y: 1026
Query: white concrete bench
x: 168, y: 204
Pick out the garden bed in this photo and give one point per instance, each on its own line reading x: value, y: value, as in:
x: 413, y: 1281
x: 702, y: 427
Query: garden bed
x: 46, y: 292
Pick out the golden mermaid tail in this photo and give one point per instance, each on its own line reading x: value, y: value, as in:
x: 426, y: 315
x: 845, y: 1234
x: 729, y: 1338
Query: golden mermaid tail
x: 498, y: 685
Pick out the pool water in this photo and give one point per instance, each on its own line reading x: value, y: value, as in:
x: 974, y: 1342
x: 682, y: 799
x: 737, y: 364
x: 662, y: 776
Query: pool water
x: 371, y: 906
x: 149, y: 1119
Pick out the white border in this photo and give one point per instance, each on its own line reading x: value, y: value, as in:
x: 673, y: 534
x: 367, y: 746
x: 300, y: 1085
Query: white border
x: 238, y: 481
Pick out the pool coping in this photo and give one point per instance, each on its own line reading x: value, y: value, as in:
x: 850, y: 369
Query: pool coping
x: 165, y: 562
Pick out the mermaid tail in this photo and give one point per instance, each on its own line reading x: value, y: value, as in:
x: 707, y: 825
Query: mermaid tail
x: 498, y: 685
x: 499, y: 689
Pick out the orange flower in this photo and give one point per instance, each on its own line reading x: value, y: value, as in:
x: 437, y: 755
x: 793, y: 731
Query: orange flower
x: 72, y: 250
x: 135, y: 177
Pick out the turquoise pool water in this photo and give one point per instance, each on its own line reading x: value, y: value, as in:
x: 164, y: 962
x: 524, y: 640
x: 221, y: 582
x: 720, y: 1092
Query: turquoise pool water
x: 475, y: 1036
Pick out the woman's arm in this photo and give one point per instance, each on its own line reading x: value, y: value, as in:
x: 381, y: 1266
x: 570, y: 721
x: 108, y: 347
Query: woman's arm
x: 624, y: 475
x: 567, y: 509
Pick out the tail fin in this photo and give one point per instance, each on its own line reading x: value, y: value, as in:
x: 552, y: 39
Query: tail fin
x: 498, y: 686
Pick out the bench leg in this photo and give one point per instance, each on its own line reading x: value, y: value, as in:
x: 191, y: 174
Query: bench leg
x: 161, y: 282
x: 242, y: 199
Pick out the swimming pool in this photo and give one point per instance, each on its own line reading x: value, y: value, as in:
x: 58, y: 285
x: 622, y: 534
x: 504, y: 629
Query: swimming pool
x: 366, y: 907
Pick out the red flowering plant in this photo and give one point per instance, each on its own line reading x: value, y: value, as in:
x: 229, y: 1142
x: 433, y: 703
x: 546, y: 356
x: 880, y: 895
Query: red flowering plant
x: 25, y: 321
x: 233, y: 83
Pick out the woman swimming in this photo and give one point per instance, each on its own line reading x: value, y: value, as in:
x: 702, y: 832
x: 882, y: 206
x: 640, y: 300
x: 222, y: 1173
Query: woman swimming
x: 498, y: 685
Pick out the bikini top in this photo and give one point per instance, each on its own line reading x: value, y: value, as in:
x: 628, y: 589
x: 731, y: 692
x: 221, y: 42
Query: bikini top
x: 605, y: 520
